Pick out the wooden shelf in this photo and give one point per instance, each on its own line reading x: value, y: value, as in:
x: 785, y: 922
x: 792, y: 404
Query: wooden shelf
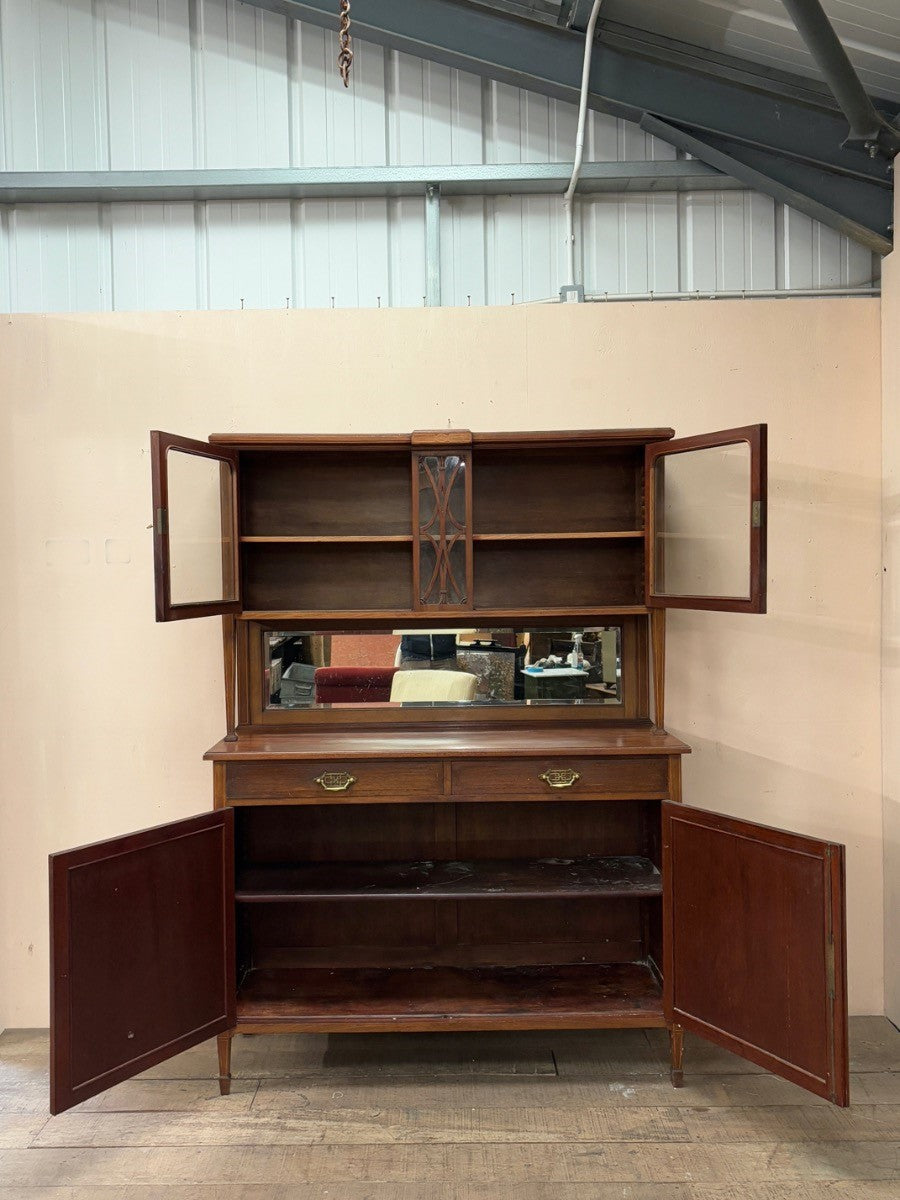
x: 583, y: 996
x: 432, y: 620
x: 502, y: 879
x: 596, y: 536
x: 329, y: 539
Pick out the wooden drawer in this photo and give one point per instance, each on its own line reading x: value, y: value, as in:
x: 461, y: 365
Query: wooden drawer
x: 323, y: 782
x: 500, y: 778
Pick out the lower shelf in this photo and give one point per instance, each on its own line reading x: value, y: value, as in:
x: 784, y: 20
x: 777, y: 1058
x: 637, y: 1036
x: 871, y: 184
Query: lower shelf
x: 323, y: 999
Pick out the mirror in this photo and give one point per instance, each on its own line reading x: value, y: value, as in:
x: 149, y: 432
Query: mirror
x: 304, y: 669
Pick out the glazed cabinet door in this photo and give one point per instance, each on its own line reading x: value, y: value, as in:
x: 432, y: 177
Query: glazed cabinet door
x: 195, y: 528
x: 142, y: 952
x: 754, y: 954
x: 706, y: 521
x: 442, y: 524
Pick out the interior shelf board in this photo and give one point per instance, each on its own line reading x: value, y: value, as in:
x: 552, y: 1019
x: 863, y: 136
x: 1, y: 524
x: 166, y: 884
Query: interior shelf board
x: 582, y: 995
x: 328, y: 539
x: 567, y: 536
x: 505, y: 879
x: 582, y: 612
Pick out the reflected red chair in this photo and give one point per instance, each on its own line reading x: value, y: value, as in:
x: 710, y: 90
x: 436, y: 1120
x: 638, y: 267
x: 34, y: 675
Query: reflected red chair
x: 353, y: 685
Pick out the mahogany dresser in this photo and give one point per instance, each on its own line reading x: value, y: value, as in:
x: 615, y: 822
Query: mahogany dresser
x: 502, y: 863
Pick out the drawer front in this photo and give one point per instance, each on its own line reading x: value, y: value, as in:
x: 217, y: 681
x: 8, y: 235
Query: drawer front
x: 324, y: 781
x: 564, y: 777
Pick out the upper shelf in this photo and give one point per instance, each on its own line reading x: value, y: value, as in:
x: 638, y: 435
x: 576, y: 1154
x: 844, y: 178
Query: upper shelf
x: 596, y: 535
x: 336, y: 538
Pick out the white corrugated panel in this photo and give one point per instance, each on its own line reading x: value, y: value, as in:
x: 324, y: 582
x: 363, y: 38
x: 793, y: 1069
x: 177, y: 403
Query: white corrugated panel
x: 163, y: 84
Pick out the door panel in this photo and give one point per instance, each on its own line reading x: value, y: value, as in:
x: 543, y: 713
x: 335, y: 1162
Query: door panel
x: 142, y: 948
x: 195, y: 528
x: 706, y: 521
x: 442, y: 529
x: 754, y: 956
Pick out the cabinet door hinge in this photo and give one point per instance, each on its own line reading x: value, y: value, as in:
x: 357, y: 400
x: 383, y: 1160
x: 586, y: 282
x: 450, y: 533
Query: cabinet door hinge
x: 756, y: 512
x: 160, y: 521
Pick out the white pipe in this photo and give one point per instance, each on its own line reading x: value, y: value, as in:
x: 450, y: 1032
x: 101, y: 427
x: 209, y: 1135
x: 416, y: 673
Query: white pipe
x: 749, y: 294
x: 568, y: 199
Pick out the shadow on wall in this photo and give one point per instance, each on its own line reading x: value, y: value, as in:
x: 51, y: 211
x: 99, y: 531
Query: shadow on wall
x: 725, y: 779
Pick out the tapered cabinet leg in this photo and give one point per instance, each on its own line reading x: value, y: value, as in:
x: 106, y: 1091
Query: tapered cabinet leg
x: 224, y: 1044
x: 676, y: 1050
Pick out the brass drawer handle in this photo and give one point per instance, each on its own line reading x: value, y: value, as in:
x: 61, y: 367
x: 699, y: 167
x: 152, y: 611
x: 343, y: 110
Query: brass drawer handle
x: 560, y: 777
x: 335, y: 781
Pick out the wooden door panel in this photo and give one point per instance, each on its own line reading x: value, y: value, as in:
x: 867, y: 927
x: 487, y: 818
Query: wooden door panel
x: 142, y: 947
x: 754, y: 958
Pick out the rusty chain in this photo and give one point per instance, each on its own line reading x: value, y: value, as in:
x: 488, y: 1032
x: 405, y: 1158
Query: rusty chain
x: 345, y: 55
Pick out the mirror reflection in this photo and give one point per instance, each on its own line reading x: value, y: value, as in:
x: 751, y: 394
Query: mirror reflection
x: 443, y: 666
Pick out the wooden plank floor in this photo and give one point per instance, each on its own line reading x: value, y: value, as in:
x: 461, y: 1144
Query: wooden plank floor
x: 516, y: 1116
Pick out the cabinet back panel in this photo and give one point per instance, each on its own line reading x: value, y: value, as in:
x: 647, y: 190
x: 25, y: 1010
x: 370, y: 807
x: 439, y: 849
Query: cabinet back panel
x: 559, y: 574
x: 342, y: 924
x: 555, y: 829
x: 415, y: 932
x: 548, y: 920
x: 325, y: 493
x: 336, y: 833
x: 319, y: 576
x: 418, y: 832
x: 557, y: 490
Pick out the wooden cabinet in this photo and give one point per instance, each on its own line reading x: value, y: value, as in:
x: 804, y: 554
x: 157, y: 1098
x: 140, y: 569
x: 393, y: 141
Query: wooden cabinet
x: 390, y: 867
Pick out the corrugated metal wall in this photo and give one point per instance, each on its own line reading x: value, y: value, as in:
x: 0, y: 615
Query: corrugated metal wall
x: 155, y: 84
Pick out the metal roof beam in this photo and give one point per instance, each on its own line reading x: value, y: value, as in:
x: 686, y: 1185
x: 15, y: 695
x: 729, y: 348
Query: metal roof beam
x: 575, y: 14
x: 628, y: 83
x: 869, y: 129
x: 307, y: 183
x: 858, y: 210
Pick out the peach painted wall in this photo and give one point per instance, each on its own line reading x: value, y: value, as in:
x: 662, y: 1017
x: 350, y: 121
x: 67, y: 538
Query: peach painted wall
x: 106, y: 714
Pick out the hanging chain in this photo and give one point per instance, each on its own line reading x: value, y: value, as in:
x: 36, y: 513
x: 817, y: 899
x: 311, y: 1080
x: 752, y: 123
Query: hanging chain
x: 345, y: 55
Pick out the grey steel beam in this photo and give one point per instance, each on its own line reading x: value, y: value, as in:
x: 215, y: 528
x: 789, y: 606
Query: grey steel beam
x: 304, y: 183
x: 575, y: 14
x: 624, y: 82
x: 869, y: 129
x: 837, y: 202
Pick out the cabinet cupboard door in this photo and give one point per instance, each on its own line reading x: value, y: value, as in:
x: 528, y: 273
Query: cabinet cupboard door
x: 706, y: 521
x: 142, y: 952
x: 195, y: 528
x: 754, y: 954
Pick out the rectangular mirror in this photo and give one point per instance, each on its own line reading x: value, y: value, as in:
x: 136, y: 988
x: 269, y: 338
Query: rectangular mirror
x: 306, y: 669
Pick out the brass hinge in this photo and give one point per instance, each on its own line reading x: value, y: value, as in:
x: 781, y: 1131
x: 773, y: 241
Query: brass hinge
x: 160, y: 521
x: 756, y: 511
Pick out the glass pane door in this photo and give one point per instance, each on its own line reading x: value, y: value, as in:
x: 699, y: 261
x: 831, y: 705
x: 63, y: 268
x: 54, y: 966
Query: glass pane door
x: 442, y: 529
x: 195, y: 528
x: 706, y: 517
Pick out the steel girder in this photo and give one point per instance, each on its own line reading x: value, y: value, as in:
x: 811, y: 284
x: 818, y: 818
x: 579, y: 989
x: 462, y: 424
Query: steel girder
x: 310, y: 183
x: 635, y: 74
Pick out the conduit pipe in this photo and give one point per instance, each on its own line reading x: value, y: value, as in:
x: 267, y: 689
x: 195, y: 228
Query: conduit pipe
x: 569, y: 198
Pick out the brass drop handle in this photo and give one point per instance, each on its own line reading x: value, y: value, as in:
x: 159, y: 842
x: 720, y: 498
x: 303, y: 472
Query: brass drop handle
x: 335, y: 781
x: 560, y: 777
